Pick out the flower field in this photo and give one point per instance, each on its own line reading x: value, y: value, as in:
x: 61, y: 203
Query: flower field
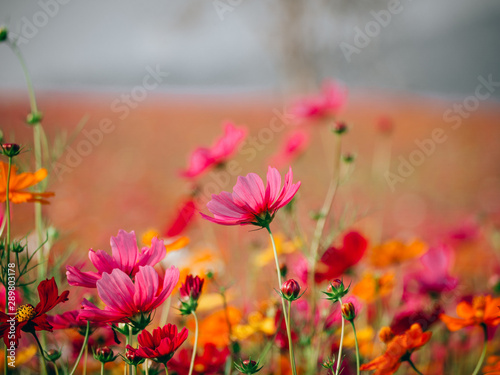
x: 335, y: 231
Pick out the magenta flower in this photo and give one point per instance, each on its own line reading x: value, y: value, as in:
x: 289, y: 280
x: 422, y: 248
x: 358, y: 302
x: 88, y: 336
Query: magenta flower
x: 332, y: 98
x: 127, y: 301
x: 203, y: 158
x: 293, y: 146
x: 126, y: 257
x: 250, y: 202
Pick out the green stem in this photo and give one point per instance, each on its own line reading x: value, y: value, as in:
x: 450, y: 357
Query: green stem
x: 285, y: 315
x: 42, y: 355
x: 166, y: 368
x: 7, y: 245
x: 85, y: 359
x: 483, y: 353
x: 357, y: 346
x: 289, y: 334
x: 55, y: 368
x: 102, y: 368
x: 85, y: 341
x: 193, y: 356
x: 413, y: 366
x: 339, y: 357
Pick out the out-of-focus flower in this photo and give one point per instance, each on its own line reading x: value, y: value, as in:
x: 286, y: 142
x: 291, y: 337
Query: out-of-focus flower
x: 335, y: 261
x: 482, y: 310
x: 129, y: 302
x: 282, y: 247
x: 161, y: 345
x: 170, y: 244
x: 396, y: 252
x: 71, y: 320
x: 325, y: 105
x: 203, y: 158
x: 31, y: 319
x: 434, y: 277
x: 126, y: 257
x: 281, y: 337
x: 403, y: 320
x: 250, y: 202
x: 492, y: 366
x: 257, y: 323
x: 211, y: 362
x: 214, y: 328
x: 23, y: 355
x: 371, y: 287
x: 19, y: 183
x: 293, y: 146
x: 365, y: 340
x: 184, y: 216
x: 385, y: 125
x: 398, y: 350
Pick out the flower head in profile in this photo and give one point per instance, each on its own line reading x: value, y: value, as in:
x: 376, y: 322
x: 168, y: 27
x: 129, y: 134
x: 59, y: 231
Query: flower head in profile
x: 128, y: 301
x: 161, y: 345
x: 18, y: 183
x: 250, y: 202
x: 324, y: 105
x: 293, y: 146
x: 190, y: 292
x: 484, y: 310
x: 125, y: 257
x: 399, y: 349
x: 31, y: 319
x: 203, y: 158
x: 211, y: 362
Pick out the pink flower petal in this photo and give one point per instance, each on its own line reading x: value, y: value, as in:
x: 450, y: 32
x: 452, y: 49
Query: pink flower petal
x: 124, y: 248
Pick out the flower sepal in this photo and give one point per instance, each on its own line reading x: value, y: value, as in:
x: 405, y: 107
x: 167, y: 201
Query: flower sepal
x: 248, y: 366
x: 104, y: 354
x: 336, y: 290
x: 124, y: 329
x: 131, y: 358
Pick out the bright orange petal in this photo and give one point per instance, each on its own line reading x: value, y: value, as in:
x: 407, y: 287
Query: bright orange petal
x: 465, y: 310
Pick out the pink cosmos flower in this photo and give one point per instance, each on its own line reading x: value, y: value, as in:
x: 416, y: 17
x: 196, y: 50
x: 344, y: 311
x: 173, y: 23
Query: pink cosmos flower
x: 332, y: 98
x: 250, y: 202
x: 126, y: 257
x: 128, y: 301
x: 203, y: 158
x: 294, y: 145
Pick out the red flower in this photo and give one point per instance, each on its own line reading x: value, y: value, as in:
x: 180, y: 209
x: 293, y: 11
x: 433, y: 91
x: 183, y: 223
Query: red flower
x: 182, y: 220
x: 161, y: 345
x: 31, y: 319
x: 335, y: 261
x: 211, y: 362
x: 191, y: 288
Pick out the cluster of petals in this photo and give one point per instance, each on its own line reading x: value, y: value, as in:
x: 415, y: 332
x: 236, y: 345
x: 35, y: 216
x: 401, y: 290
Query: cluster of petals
x: 251, y: 202
x: 125, y: 257
x: 126, y: 300
x: 203, y: 158
x: 482, y: 310
x: 293, y: 146
x: 161, y: 345
x: 398, y: 350
x: 18, y: 183
x: 212, y: 361
x: 327, y: 103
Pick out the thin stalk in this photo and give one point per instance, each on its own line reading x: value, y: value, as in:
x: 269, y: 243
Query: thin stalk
x: 193, y: 356
x: 357, y: 346
x: 85, y: 341
x: 483, y: 353
x: 413, y: 366
x: 289, y: 334
x: 166, y: 369
x: 42, y: 355
x: 146, y: 366
x: 129, y: 342
x: 7, y: 211
x: 102, y: 368
x: 339, y: 357
x: 55, y: 368
x: 287, y: 323
x: 85, y: 359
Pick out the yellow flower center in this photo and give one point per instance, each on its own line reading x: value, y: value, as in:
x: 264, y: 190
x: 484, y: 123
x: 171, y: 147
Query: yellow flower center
x: 199, y: 367
x: 25, y: 312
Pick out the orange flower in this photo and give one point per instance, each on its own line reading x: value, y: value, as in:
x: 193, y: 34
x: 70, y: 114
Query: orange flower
x: 371, y: 287
x: 395, y: 252
x: 398, y: 350
x: 492, y: 365
x: 483, y: 310
x: 19, y: 182
x: 214, y: 328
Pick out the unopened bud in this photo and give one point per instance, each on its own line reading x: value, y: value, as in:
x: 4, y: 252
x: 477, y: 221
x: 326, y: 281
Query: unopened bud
x: 290, y: 290
x: 348, y: 311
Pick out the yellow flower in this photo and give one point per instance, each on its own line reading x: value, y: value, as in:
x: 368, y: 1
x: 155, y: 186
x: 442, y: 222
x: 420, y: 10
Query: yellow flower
x: 282, y: 247
x: 395, y: 252
x: 19, y: 183
x: 365, y: 340
x: 257, y: 323
x: 170, y: 245
x: 22, y: 356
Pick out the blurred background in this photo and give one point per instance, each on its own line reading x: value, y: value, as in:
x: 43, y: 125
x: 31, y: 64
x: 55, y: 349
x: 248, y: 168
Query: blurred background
x: 410, y: 61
